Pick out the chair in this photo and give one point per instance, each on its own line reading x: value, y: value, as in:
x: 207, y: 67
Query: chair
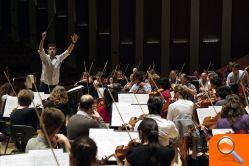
x: 20, y: 134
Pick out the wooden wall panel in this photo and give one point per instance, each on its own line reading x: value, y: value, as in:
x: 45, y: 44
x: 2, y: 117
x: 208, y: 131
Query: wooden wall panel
x: 103, y: 37
x: 180, y: 34
x: 240, y: 28
x: 127, y: 34
x: 152, y: 34
x: 210, y: 34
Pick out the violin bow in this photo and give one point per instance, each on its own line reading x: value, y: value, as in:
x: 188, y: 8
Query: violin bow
x: 43, y: 127
x: 90, y: 69
x: 135, y: 96
x: 40, y: 121
x: 127, y: 130
x: 209, y: 98
x: 126, y: 68
x: 156, y: 86
x: 87, y: 78
x: 6, y: 76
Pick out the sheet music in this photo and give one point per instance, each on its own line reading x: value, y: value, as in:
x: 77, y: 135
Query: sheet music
x: 217, y: 108
x: 107, y: 140
x: 221, y: 131
x: 10, y: 104
x: 37, y: 99
x: 16, y: 160
x: 138, y: 111
x: 101, y: 92
x: 130, y: 98
x: 204, y: 112
x: 125, y: 111
x: 45, y: 158
x: 247, y: 109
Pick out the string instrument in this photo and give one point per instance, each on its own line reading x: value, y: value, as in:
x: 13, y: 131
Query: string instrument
x: 121, y: 151
x: 159, y: 92
x: 210, y: 122
x: 206, y: 98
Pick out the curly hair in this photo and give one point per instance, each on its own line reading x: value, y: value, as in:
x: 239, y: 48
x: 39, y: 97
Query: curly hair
x: 59, y: 95
x: 232, y: 108
x: 25, y: 97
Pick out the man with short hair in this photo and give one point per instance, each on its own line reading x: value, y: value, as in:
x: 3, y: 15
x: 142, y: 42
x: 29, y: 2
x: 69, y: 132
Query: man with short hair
x: 86, y: 118
x: 167, y: 129
x: 237, y: 75
x: 51, y: 63
x: 204, y: 83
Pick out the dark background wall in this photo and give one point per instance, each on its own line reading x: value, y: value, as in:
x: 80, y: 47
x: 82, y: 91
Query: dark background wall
x: 167, y: 33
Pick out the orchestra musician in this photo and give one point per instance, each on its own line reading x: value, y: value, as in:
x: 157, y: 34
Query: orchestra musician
x: 5, y: 91
x: 51, y: 63
x: 182, y: 106
x: 204, y: 83
x: 86, y: 118
x: 140, y: 86
x: 189, y: 87
x: 173, y: 79
x: 119, y: 78
x: 233, y: 115
x: 167, y: 130
x: 150, y: 152
x: 23, y: 115
x: 234, y: 77
x: 53, y: 119
x: 59, y: 99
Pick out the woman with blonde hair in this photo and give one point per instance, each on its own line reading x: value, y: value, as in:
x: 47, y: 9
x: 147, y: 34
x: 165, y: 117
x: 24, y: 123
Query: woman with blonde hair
x: 59, y: 99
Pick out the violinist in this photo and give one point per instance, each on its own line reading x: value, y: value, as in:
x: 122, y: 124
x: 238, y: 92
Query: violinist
x: 182, y: 106
x: 173, y: 79
x: 189, y: 87
x: 85, y: 79
x: 119, y: 78
x: 222, y: 93
x: 86, y: 118
x: 52, y: 119
x: 204, y: 83
x: 140, y: 86
x: 105, y: 110
x: 153, y: 80
x: 23, y: 115
x: 164, y: 85
x: 233, y: 115
x: 5, y: 91
x: 234, y: 78
x: 150, y: 152
x: 128, y: 85
x: 59, y: 99
x: 167, y: 129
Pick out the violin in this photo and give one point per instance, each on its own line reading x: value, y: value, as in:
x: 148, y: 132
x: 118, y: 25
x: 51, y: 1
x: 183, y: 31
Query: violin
x: 121, y: 151
x: 210, y: 122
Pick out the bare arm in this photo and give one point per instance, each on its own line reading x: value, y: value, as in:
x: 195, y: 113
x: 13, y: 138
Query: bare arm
x: 41, y: 45
x: 74, y: 39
